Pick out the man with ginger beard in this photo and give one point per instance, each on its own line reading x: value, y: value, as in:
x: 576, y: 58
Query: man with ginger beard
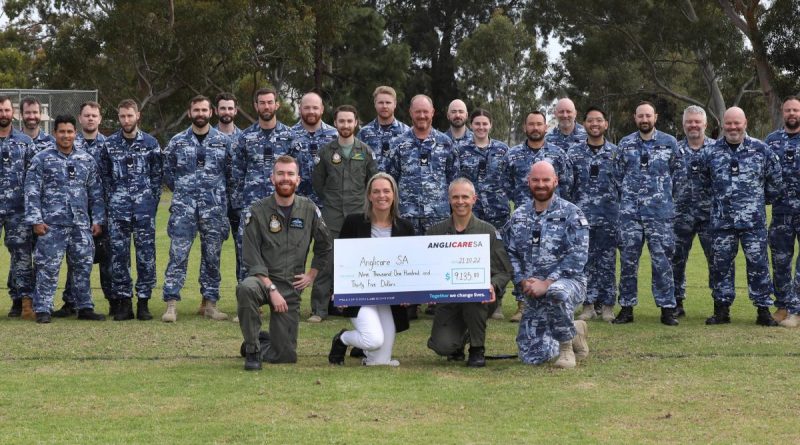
x: 196, y: 170
x: 310, y: 135
x: 379, y: 133
x: 277, y: 235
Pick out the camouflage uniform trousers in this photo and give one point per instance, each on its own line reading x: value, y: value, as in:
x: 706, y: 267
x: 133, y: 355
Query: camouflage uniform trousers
x: 143, y: 231
x: 754, y: 245
x: 685, y: 230
x: 251, y: 294
x: 106, y: 274
x: 234, y: 218
x: 601, y: 267
x: 547, y: 321
x: 661, y: 245
x: 19, y: 241
x: 182, y: 229
x: 78, y: 245
x: 783, y: 231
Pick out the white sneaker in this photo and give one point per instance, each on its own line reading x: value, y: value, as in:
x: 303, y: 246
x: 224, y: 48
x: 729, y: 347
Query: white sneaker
x: 393, y: 363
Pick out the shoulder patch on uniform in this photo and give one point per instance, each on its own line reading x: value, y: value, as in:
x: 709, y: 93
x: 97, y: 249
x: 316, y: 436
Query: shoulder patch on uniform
x: 498, y: 235
x: 319, y: 213
x: 247, y: 218
x: 583, y: 221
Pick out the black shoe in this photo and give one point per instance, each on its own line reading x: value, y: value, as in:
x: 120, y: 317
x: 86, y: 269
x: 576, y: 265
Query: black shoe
x: 43, y: 317
x: 252, y: 361
x: 124, y: 310
x: 721, y: 314
x: 67, y: 310
x: 457, y: 356
x: 476, y: 358
x: 668, y: 316
x: 90, y: 314
x: 338, y: 349
x: 430, y: 309
x: 764, y: 317
x: 264, y: 341
x: 142, y: 312
x: 625, y: 315
x: 16, y: 308
x: 357, y: 353
x: 412, y: 311
x: 113, y: 306
x: 679, y: 312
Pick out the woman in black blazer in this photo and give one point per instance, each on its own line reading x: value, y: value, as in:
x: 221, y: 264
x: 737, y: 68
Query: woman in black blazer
x: 375, y: 326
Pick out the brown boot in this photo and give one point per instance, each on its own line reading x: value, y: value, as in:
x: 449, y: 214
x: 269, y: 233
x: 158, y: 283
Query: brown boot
x: 202, y: 309
x: 27, y: 309
x: 780, y: 315
x: 517, y: 315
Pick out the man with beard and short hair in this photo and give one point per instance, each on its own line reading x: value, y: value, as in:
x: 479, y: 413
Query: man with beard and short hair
x: 30, y: 110
x: 226, y: 113
x: 15, y: 148
x: 379, y: 133
x: 596, y: 192
x: 652, y: 170
x: 744, y: 175
x: 311, y: 134
x: 519, y: 160
x: 277, y: 235
x: 253, y: 157
x: 457, y: 116
x: 91, y: 141
x: 784, y: 229
x: 64, y: 206
x: 568, y: 132
x: 196, y: 170
x: 693, y: 205
x: 547, y: 240
x: 340, y: 178
x: 131, y: 168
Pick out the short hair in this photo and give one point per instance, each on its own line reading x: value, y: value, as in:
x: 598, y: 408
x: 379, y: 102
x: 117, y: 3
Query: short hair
x: 647, y: 102
x: 539, y: 112
x: 594, y: 108
x: 461, y: 180
x: 791, y: 97
x: 394, y: 211
x: 694, y: 109
x: 199, y: 98
x: 421, y: 96
x: 345, y: 108
x: 4, y: 98
x: 225, y: 96
x: 384, y: 89
x: 480, y: 112
x: 128, y: 103
x: 89, y: 103
x: 64, y: 119
x: 29, y: 101
x: 286, y: 159
x: 263, y: 92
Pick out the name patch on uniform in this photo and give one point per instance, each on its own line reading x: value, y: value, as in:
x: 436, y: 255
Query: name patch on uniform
x: 297, y: 223
x: 274, y: 224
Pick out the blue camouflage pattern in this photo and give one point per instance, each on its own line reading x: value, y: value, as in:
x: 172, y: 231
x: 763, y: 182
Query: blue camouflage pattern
x: 519, y: 159
x: 486, y: 168
x: 234, y: 208
x: 468, y: 138
x: 379, y: 138
x: 198, y: 176
x: 305, y: 148
x: 552, y: 245
x: 565, y: 141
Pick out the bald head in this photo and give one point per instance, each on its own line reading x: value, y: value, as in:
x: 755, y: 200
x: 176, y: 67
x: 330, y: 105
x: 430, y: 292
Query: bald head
x: 542, y: 182
x: 457, y: 113
x: 734, y: 125
x: 565, y: 112
x: 311, y: 110
x: 542, y: 168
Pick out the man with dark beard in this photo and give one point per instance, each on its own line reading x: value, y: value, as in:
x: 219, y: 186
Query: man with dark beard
x: 277, y: 235
x: 31, y: 114
x: 311, y: 134
x: 457, y: 116
x: 785, y: 226
x: 196, y: 171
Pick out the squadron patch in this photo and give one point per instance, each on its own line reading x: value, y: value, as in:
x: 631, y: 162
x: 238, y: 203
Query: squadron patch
x: 247, y: 218
x: 336, y: 158
x: 297, y: 223
x: 274, y: 224
x: 358, y: 156
x: 584, y: 222
x: 316, y: 160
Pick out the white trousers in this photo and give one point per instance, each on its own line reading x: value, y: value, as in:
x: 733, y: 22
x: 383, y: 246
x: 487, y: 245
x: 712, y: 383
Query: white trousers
x: 374, y: 333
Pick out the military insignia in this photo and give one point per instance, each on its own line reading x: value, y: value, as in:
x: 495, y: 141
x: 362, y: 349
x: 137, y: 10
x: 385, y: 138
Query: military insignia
x: 584, y: 222
x: 316, y: 160
x: 423, y: 159
x: 247, y: 218
x: 536, y: 236
x: 497, y: 235
x: 336, y: 158
x: 358, y: 156
x: 297, y: 223
x: 6, y: 157
x: 274, y: 224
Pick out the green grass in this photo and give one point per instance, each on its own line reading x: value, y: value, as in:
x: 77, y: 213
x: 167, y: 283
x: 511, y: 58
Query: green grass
x: 151, y: 382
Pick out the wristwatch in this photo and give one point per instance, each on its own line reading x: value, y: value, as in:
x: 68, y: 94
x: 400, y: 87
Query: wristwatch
x: 272, y: 287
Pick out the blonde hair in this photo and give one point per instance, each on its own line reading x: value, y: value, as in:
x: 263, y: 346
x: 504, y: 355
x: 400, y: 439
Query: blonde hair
x: 384, y: 89
x: 394, y: 211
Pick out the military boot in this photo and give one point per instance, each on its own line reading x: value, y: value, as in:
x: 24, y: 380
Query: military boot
x: 566, y: 356
x: 171, y: 314
x: 142, y: 311
x: 16, y: 308
x: 476, y: 357
x: 124, y: 310
x: 89, y: 314
x: 518, y: 315
x: 721, y: 314
x: 497, y: 314
x: 792, y: 321
x: 764, y: 317
x: 202, y: 309
x: 213, y: 313
x: 580, y: 344
x: 457, y: 356
x: 67, y: 310
x: 338, y: 349
x: 668, y: 316
x: 113, y: 306
x: 607, y: 312
x: 252, y: 361
x: 27, y: 309
x: 625, y: 315
x: 588, y: 312
x: 780, y: 314
x: 43, y: 317
x: 679, y: 311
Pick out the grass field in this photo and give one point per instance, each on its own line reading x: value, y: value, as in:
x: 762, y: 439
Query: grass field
x: 152, y: 382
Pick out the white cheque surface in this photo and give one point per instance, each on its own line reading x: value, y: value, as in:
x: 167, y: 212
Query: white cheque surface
x: 414, y: 269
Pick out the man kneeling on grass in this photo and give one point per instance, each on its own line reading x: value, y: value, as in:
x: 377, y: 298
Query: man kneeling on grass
x: 277, y: 234
x: 547, y: 241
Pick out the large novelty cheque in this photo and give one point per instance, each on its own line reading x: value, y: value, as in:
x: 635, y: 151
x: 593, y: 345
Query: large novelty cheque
x: 415, y: 270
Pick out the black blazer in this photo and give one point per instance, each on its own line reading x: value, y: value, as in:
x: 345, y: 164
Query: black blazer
x: 357, y: 226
